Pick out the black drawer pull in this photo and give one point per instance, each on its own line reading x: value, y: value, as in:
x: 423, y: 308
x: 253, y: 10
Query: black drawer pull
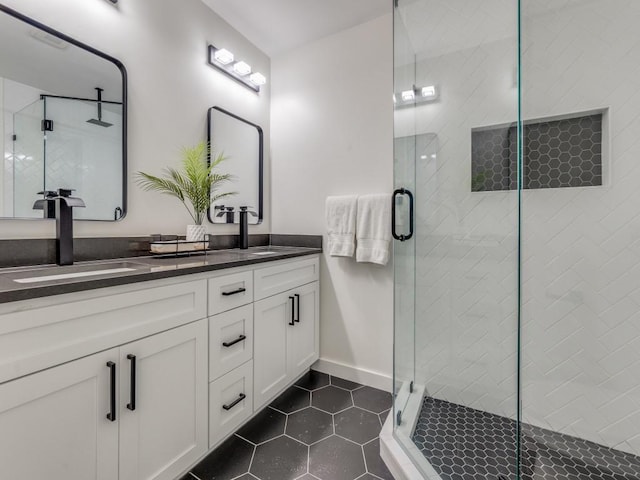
x: 230, y: 344
x: 235, y: 402
x: 298, y: 307
x: 234, y: 292
x: 112, y: 393
x: 132, y: 405
x: 293, y: 305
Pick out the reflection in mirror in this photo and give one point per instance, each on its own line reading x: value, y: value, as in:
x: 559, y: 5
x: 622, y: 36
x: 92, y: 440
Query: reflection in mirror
x: 62, y: 122
x: 241, y: 142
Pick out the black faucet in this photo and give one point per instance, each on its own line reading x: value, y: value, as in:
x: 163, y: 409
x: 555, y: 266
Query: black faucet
x: 64, y: 203
x: 244, y: 226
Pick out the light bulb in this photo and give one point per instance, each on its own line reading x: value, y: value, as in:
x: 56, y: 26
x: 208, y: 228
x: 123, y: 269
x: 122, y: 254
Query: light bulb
x: 242, y: 68
x: 428, y: 92
x: 408, y: 95
x: 223, y: 56
x: 257, y: 79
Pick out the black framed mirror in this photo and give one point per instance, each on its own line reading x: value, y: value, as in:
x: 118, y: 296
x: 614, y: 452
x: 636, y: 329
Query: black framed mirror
x: 64, y: 121
x: 242, y: 143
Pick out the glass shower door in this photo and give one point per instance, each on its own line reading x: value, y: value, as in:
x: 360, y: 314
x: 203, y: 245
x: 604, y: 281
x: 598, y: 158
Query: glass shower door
x: 404, y: 243
x: 456, y: 139
x: 27, y: 163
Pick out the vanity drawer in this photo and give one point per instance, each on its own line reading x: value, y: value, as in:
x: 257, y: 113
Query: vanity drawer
x: 280, y: 278
x: 230, y: 340
x: 46, y: 332
x: 230, y: 402
x: 230, y: 291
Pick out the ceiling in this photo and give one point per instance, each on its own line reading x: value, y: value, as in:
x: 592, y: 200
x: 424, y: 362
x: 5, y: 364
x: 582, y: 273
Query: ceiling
x: 276, y: 26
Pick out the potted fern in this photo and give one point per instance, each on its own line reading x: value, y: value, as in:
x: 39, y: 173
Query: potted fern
x: 196, y: 185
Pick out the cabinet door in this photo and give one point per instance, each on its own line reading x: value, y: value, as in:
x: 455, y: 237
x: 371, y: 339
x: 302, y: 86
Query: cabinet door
x: 53, y: 424
x: 303, y: 338
x: 163, y: 430
x: 271, y: 321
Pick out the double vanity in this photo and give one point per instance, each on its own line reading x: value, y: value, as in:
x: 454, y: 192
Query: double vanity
x: 136, y: 369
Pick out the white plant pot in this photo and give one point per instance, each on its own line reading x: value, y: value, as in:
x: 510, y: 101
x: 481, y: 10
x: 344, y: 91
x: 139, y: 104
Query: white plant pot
x: 195, y: 233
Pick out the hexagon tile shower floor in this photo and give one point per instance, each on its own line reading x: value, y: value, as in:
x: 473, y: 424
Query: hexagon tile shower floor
x: 466, y: 444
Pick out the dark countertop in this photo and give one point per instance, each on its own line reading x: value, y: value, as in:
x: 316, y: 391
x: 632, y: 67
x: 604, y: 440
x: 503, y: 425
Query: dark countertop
x: 143, y: 269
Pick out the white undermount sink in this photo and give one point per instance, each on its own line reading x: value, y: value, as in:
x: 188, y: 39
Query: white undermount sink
x: 51, y: 274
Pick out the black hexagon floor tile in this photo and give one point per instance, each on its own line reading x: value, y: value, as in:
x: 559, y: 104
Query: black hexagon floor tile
x: 307, y: 476
x: 375, y: 464
x: 292, y: 399
x: 228, y: 461
x: 383, y: 416
x: 309, y: 425
x: 357, y: 425
x: 280, y: 459
x: 372, y: 399
x: 335, y: 458
x: 346, y: 384
x: 331, y: 399
x: 266, y: 425
x: 313, y: 380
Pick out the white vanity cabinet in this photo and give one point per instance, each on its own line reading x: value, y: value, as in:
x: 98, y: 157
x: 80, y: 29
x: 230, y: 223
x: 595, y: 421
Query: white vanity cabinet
x: 138, y: 382
x: 286, y: 329
x: 135, y: 412
x: 53, y: 424
x: 163, y: 403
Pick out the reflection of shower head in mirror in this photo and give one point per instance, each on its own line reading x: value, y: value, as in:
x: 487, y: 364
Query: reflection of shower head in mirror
x: 98, y: 121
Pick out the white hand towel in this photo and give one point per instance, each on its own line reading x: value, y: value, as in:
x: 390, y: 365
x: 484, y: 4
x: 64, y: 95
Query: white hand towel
x: 341, y: 225
x: 373, y: 230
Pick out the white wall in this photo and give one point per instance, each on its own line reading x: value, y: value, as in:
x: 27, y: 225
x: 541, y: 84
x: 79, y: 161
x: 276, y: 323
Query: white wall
x: 332, y: 135
x: 163, y: 44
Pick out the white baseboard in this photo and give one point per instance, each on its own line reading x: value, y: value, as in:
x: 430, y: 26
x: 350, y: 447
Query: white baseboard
x: 358, y: 375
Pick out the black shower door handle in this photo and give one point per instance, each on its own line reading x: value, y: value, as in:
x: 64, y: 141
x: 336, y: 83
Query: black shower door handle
x: 401, y: 237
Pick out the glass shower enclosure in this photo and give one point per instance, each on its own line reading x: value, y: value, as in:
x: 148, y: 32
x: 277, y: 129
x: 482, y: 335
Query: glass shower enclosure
x: 517, y: 238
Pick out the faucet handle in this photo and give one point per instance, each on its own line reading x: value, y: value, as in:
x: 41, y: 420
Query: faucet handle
x: 65, y: 192
x: 246, y: 209
x: 48, y: 193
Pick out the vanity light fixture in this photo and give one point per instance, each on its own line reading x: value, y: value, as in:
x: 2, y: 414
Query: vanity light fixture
x: 415, y: 96
x: 224, y: 60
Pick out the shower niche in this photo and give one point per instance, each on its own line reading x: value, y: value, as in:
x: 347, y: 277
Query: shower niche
x: 63, y: 121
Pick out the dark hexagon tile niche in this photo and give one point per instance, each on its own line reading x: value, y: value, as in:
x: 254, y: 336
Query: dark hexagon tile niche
x: 375, y: 464
x: 313, y: 380
x: 226, y: 462
x: 292, y: 399
x: 357, y: 425
x: 309, y: 425
x: 346, y: 384
x: 336, y: 459
x: 266, y: 425
x: 372, y: 399
x: 331, y: 399
x: 280, y: 459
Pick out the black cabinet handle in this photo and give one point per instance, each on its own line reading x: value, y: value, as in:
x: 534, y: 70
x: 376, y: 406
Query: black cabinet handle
x: 402, y: 237
x: 297, y: 319
x: 293, y: 305
x: 235, y: 402
x: 239, y: 339
x: 112, y: 393
x: 234, y: 292
x: 132, y: 404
